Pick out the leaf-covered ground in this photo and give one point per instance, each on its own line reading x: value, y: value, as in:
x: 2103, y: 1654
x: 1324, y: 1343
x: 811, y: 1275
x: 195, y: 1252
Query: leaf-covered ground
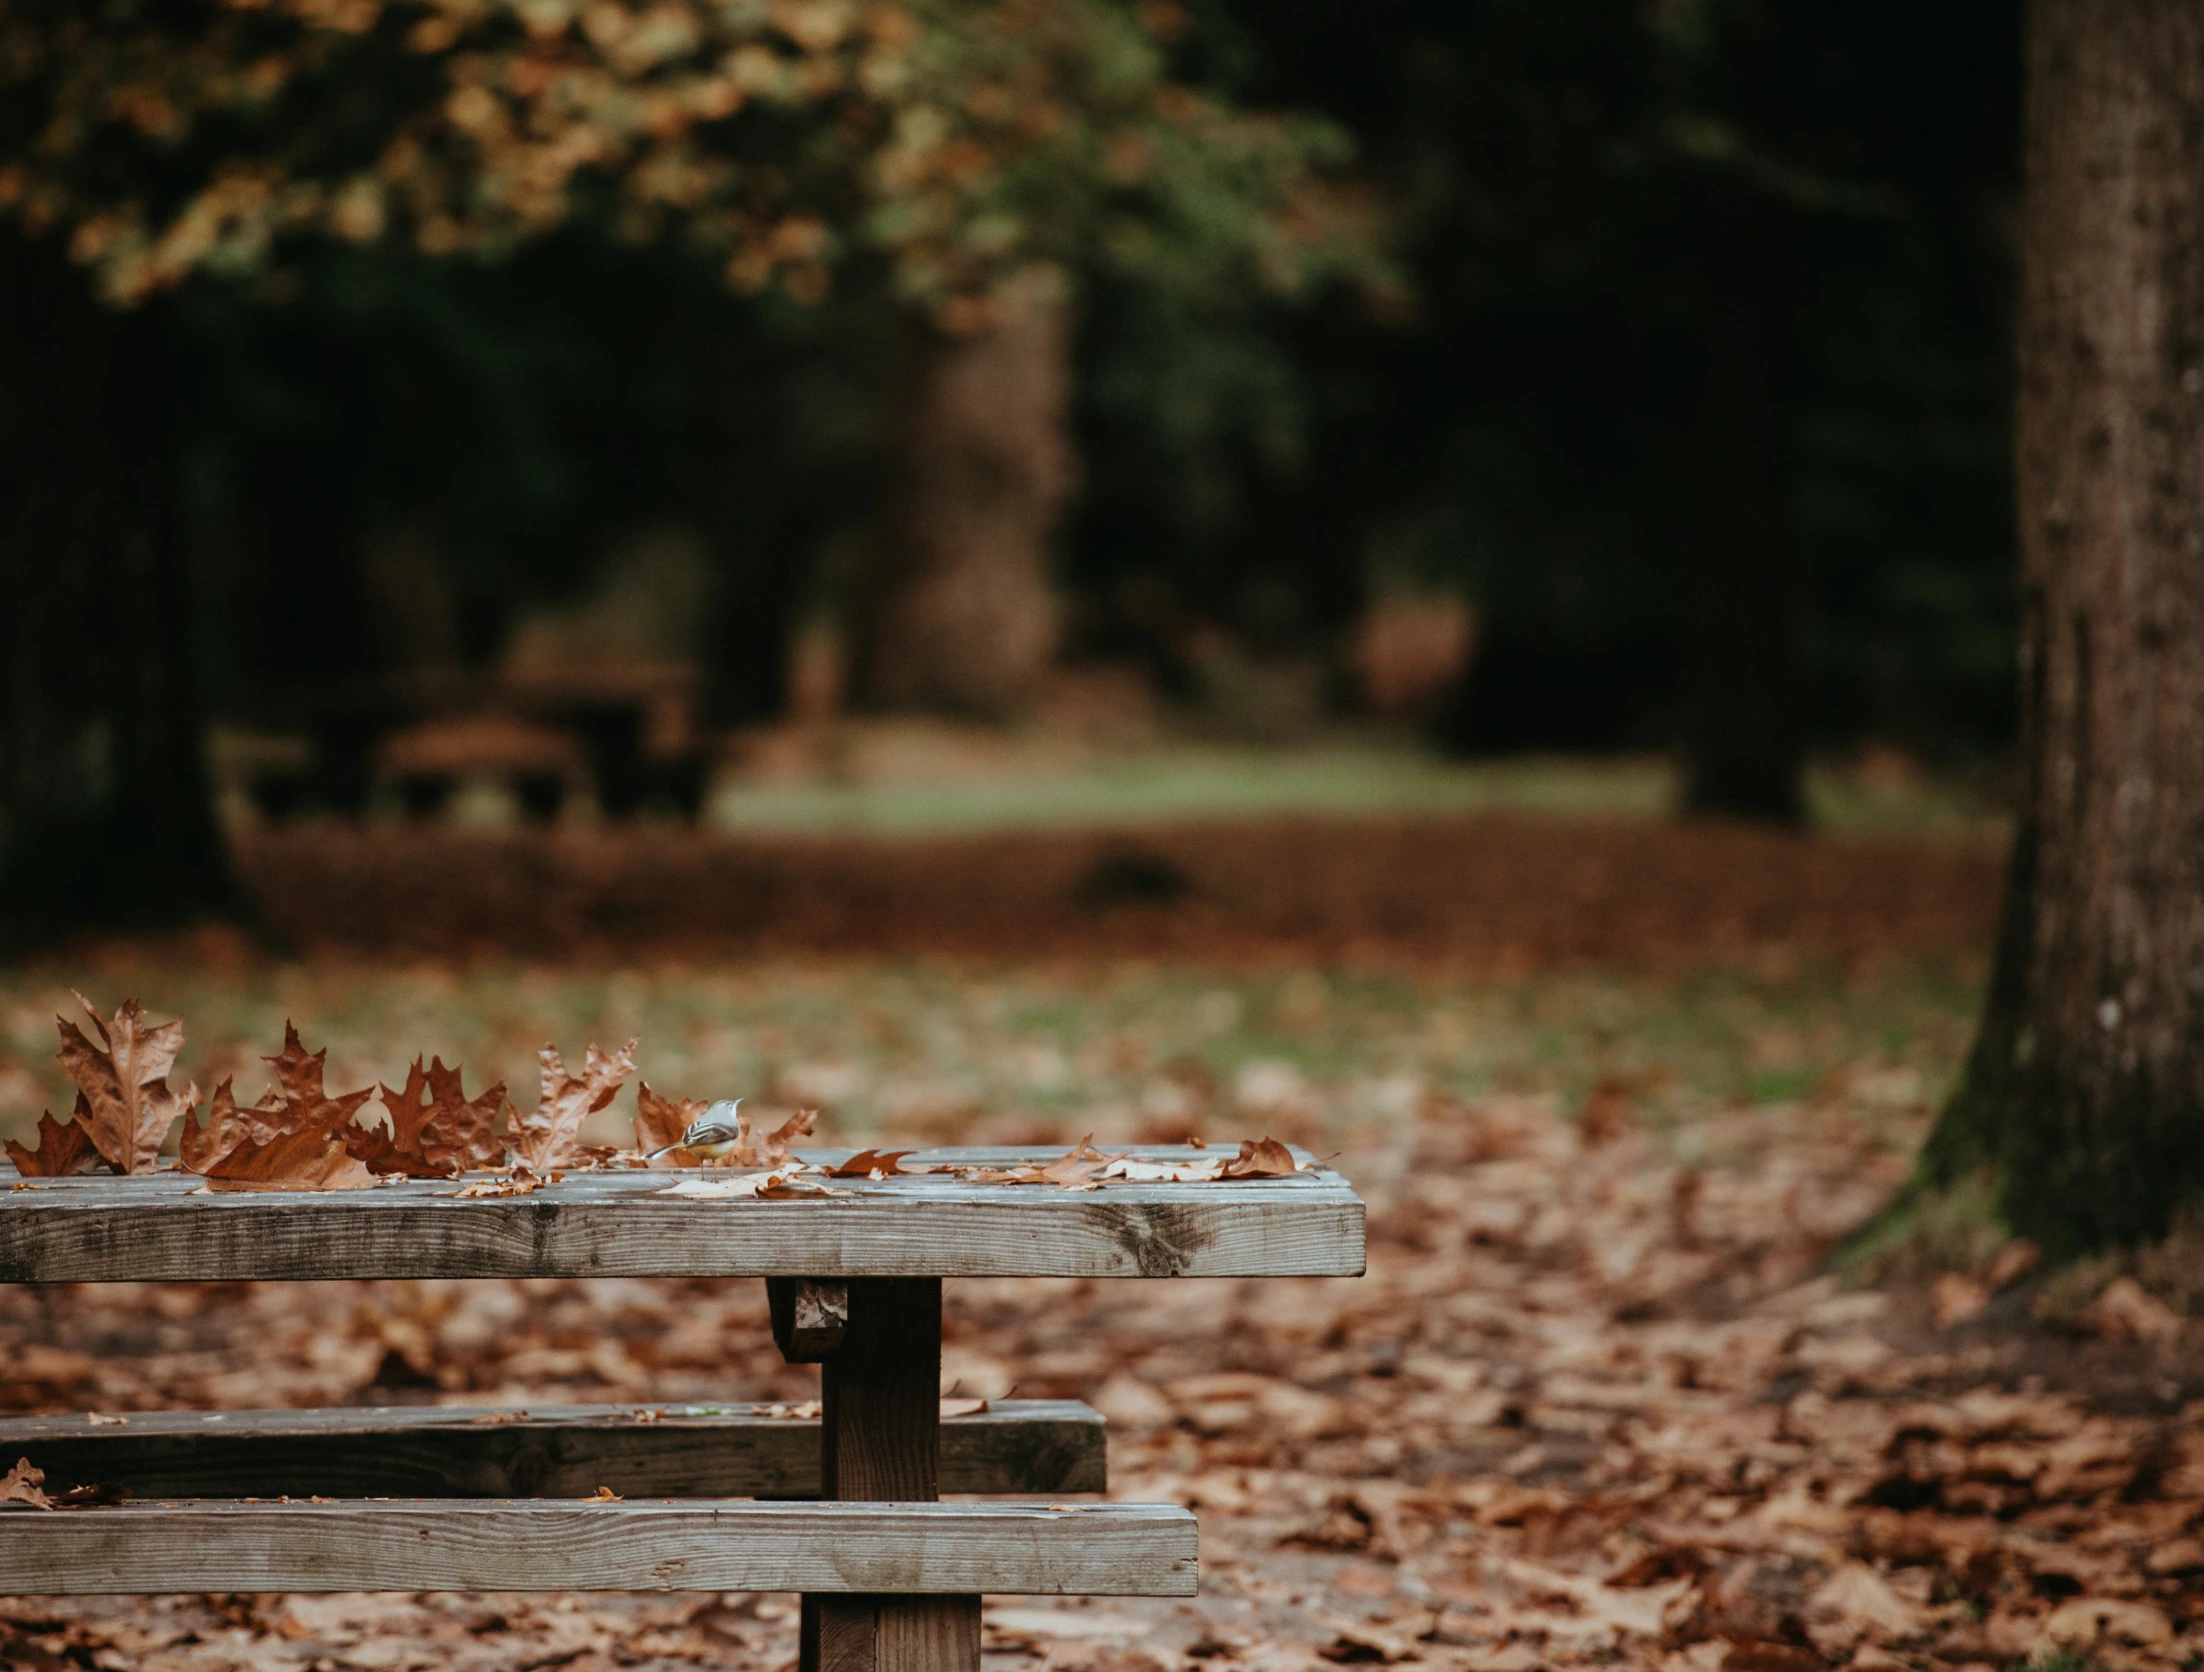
x: 1597, y: 1401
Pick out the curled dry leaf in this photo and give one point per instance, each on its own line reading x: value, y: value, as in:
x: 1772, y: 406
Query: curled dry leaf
x: 124, y: 1104
x: 660, y: 1122
x: 778, y: 1184
x: 20, y: 1485
x: 519, y: 1184
x: 870, y: 1164
x: 1201, y: 1170
x: 603, y: 1495
x: 548, y: 1138
x: 771, y: 1149
x: 1262, y: 1158
x: 64, y: 1147
x: 292, y: 1139
x: 435, y: 1129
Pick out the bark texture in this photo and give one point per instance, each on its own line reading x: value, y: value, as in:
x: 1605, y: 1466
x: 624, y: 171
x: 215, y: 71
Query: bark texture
x: 2086, y: 1088
x: 963, y: 616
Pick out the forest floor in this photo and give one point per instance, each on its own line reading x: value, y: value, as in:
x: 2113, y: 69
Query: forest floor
x: 1602, y: 1398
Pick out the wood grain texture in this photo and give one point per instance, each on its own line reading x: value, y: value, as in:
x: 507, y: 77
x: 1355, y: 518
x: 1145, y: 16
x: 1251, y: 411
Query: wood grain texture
x: 880, y: 1438
x: 553, y: 1451
x: 162, y: 1228
x: 536, y: 1545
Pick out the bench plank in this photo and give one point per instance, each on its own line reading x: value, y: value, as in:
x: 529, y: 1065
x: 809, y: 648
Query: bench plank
x: 540, y: 1545
x: 552, y: 1451
x: 165, y: 1227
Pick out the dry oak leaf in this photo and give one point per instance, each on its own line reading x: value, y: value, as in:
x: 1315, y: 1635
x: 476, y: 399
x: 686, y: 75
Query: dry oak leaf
x: 771, y: 1149
x: 1263, y: 1158
x: 435, y: 1131
x: 870, y: 1164
x: 1078, y: 1168
x: 549, y: 1136
x: 659, y: 1123
x: 63, y: 1147
x: 123, y: 1082
x: 292, y: 1139
x: 20, y: 1485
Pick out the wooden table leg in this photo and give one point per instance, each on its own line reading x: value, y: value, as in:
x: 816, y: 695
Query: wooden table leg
x: 880, y: 1439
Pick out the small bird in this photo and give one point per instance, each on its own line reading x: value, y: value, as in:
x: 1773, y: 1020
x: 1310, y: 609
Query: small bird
x: 714, y: 1133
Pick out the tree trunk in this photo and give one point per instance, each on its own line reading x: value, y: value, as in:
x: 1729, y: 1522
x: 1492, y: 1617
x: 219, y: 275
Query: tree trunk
x: 2085, y: 1091
x: 106, y: 818
x: 963, y: 615
x: 1744, y: 749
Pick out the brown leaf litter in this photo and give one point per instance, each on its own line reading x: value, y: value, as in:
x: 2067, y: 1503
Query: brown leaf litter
x: 1563, y: 1422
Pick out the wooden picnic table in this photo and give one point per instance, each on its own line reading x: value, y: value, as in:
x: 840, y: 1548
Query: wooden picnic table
x: 841, y: 1504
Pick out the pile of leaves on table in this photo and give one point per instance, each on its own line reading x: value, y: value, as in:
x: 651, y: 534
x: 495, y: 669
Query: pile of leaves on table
x: 1592, y: 1405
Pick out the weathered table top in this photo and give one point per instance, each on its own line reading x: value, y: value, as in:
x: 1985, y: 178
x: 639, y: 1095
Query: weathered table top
x: 168, y: 1227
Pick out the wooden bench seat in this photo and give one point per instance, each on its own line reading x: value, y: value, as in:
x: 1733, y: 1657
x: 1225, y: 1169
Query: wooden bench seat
x: 535, y: 1544
x: 549, y: 1451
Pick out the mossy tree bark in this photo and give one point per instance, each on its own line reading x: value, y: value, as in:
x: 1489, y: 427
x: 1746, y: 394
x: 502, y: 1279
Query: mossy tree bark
x: 106, y: 815
x: 2085, y: 1092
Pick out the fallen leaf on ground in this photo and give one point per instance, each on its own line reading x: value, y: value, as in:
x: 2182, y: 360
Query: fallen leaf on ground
x: 659, y: 1124
x: 547, y: 1138
x: 20, y: 1485
x: 292, y: 1139
x: 126, y: 1106
x: 2127, y: 1311
x: 1860, y: 1603
x: 2087, y: 1621
x: 1956, y: 1298
x: 435, y: 1130
x: 1262, y: 1158
x: 64, y: 1147
x: 869, y: 1164
x: 2014, y: 1261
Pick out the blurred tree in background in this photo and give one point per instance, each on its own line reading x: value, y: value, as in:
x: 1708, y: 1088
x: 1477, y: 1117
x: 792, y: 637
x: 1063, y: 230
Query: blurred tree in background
x: 1673, y: 338
x: 1704, y: 398
x: 736, y: 262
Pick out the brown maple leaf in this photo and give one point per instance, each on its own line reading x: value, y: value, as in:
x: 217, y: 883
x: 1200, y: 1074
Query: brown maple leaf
x: 550, y: 1134
x: 64, y: 1147
x: 294, y: 1138
x: 20, y: 1485
x: 435, y: 1131
x: 660, y: 1121
x: 123, y: 1083
x: 868, y: 1162
x: 1079, y: 1167
x: 770, y: 1149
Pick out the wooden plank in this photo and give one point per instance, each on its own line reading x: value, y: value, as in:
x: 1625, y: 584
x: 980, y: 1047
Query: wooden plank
x: 551, y: 1451
x: 164, y: 1227
x: 636, y: 1545
x: 880, y: 1439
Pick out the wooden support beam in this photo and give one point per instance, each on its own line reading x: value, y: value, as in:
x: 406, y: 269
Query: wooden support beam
x: 551, y: 1451
x: 937, y: 1554
x: 880, y: 1439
